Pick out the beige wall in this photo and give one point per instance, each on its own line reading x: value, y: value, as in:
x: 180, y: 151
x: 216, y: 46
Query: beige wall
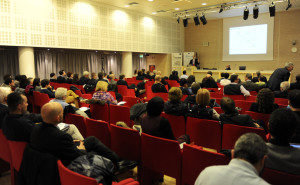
x: 286, y: 29
x: 162, y: 63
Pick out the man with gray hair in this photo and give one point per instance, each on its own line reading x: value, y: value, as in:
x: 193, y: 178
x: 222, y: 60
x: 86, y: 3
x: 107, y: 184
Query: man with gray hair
x: 4, y: 92
x: 85, y: 78
x: 280, y: 75
x: 249, y: 156
x: 248, y: 84
x: 283, y: 92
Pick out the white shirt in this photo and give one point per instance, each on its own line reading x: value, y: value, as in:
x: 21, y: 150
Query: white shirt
x: 184, y: 76
x: 224, y: 82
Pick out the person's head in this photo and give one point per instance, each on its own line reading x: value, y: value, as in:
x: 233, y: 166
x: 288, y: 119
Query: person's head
x: 101, y: 86
x: 284, y: 86
x: 184, y: 72
x: 210, y: 73
x: 17, y: 103
x: 135, y: 71
x: 183, y: 82
x: 139, y: 73
x: 9, y: 81
x: 282, y: 124
x: 294, y: 99
x: 234, y: 78
x: 6, y: 76
x: 62, y: 72
x: 112, y: 76
x: 70, y: 75
x: 227, y: 105
x: 30, y: 81
x: 252, y: 148
x: 174, y: 73
x: 258, y: 73
x: 157, y: 78
x: 248, y: 76
x: 265, y: 100
x: 94, y: 76
x: 262, y: 79
x: 298, y: 78
x: 155, y: 106
x: 75, y: 76
x: 195, y: 87
x: 122, y: 76
x: 4, y: 92
x: 228, y: 66
x: 86, y: 74
x: 190, y: 80
x: 289, y: 66
x: 52, y: 76
x: 222, y: 75
x: 175, y: 94
x: 226, y: 75
x: 203, y: 97
x: 45, y: 83
x: 158, y: 73
x: 36, y: 82
x: 52, y: 113
x: 61, y: 93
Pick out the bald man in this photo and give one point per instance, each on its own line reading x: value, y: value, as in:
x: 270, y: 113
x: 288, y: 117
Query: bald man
x: 46, y: 137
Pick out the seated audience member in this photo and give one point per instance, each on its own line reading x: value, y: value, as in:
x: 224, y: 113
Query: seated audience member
x: 174, y: 105
x: 296, y: 85
x: 222, y: 77
x: 264, y: 102
x: 234, y: 88
x: 62, y: 77
x: 94, y: 79
x: 225, y: 81
x: 249, y: 155
x: 201, y: 109
x: 283, y: 93
x: 4, y: 92
x: 30, y: 85
x: 174, y: 76
x: 228, y: 67
x: 9, y: 82
x: 140, y: 75
x: 62, y: 96
x: 147, y: 75
x: 23, y: 81
x: 52, y: 77
x: 232, y: 116
x: 208, y: 82
x: 184, y: 75
x: 101, y: 76
x: 37, y: 84
x: 112, y: 79
x: 191, y: 99
x: 18, y: 124
x: 84, y: 79
x: 122, y: 81
x: 135, y: 73
x: 158, y: 87
x: 248, y: 84
x: 47, y: 138
x: 153, y: 124
x: 46, y: 88
x: 255, y: 79
x: 281, y: 155
x: 154, y: 74
x: 184, y: 87
x: 102, y: 94
x: 294, y: 103
x: 69, y: 79
x: 262, y: 82
x: 190, y: 80
x: 75, y: 79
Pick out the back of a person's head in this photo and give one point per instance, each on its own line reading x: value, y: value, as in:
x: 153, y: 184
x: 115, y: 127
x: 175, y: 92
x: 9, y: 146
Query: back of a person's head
x: 250, y: 147
x: 195, y: 87
x: 75, y: 76
x: 52, y: 75
x: 94, y: 75
x: 222, y: 74
x: 51, y: 112
x: 258, y: 73
x: 61, y: 93
x: 175, y: 94
x: 294, y: 98
x: 8, y: 81
x: 173, y: 72
x: 100, y: 75
x: 61, y: 72
x: 45, y: 82
x: 139, y: 73
x: 249, y: 76
x: 101, y: 86
x: 282, y: 124
x: 298, y: 78
x: 154, y: 72
x: 155, y: 106
x: 157, y: 78
x: 182, y: 82
x: 184, y: 72
x: 226, y: 75
x: 4, y: 92
x: 122, y: 76
x: 69, y: 74
x: 227, y: 105
x: 284, y: 86
x: 191, y: 79
x: 209, y: 72
x: 265, y: 99
x: 36, y: 82
x: 203, y: 97
x: 18, y: 77
x: 13, y: 100
x: 233, y: 78
x: 86, y: 73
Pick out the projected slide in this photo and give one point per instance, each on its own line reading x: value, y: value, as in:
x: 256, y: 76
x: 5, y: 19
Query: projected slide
x: 248, y: 39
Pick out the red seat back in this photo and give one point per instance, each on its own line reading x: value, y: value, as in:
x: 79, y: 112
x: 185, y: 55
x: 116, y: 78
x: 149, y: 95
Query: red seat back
x: 4, y: 151
x: 177, y: 123
x: 113, y: 94
x: 125, y: 142
x: 36, y: 100
x: 282, y: 101
x: 161, y: 156
x: 235, y: 97
x: 44, y: 98
x: 204, y: 132
x: 100, y: 112
x: 232, y: 132
x: 78, y: 121
x: 99, y: 129
x: 124, y: 91
x: 173, y: 83
x: 16, y: 149
x: 184, y: 97
x: 259, y: 116
x: 164, y: 96
x: 194, y: 160
x: 130, y: 101
x: 119, y: 113
x: 251, y: 98
x: 276, y: 177
x: 244, y: 105
x: 219, y: 110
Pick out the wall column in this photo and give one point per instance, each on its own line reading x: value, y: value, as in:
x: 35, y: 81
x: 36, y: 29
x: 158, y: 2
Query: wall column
x: 127, y: 64
x: 26, y: 61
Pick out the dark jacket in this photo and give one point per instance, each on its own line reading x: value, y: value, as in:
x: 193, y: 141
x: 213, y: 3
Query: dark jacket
x: 237, y: 119
x: 278, y: 76
x: 281, y: 94
x: 140, y: 78
x: 296, y: 137
x: 47, y: 91
x: 186, y: 91
x: 83, y: 80
x: 254, y: 108
x: 232, y: 89
x: 250, y: 86
x: 60, y: 79
x: 295, y: 85
x: 201, y: 112
x: 158, y: 88
x: 93, y: 82
x: 69, y: 80
x: 176, y: 108
x: 3, y: 113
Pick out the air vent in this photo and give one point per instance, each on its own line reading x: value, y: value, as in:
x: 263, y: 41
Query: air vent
x: 161, y: 11
x: 133, y: 3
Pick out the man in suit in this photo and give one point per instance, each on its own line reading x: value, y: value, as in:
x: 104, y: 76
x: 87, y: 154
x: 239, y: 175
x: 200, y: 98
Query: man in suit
x: 61, y: 78
x: 84, y: 79
x: 158, y: 87
x: 248, y: 84
x: 194, y: 61
x: 234, y: 88
x: 296, y: 85
x: 280, y: 75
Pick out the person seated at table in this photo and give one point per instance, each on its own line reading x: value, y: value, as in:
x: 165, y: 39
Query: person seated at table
x: 174, y: 105
x: 158, y: 87
x: 264, y: 102
x: 102, y: 94
x: 225, y: 81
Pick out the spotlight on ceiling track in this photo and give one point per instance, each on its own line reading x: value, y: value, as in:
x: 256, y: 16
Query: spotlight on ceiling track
x: 289, y: 5
x: 255, y: 12
x: 246, y: 13
x: 222, y: 8
x: 272, y: 9
x: 185, y: 22
x: 203, y: 19
x: 196, y: 20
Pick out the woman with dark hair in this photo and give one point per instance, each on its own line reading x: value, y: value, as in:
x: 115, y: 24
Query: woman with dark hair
x: 174, y: 105
x: 75, y: 79
x: 174, y: 76
x: 208, y: 82
x: 69, y: 78
x: 190, y: 80
x: 37, y: 84
x: 153, y: 124
x: 264, y: 102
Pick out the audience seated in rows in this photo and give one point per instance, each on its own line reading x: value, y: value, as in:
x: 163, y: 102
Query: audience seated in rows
x: 102, y: 94
x: 4, y: 92
x: 248, y: 84
x: 296, y: 85
x: 61, y: 77
x: 283, y: 93
x: 264, y: 102
x: 46, y: 88
x: 249, y: 156
x: 184, y: 87
x: 281, y: 155
x: 232, y: 116
x: 225, y: 81
x: 158, y: 87
x: 234, y: 88
x: 174, y: 105
x: 294, y: 103
x: 255, y: 79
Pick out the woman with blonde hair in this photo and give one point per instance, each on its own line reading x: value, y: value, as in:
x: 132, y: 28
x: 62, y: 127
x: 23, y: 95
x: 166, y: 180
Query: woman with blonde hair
x: 174, y: 105
x: 102, y: 94
x: 201, y: 109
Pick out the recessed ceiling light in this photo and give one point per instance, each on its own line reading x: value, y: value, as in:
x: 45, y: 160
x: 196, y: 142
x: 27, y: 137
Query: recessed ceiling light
x: 126, y: 5
x: 177, y: 8
x: 204, y: 3
x: 150, y: 0
x: 154, y: 12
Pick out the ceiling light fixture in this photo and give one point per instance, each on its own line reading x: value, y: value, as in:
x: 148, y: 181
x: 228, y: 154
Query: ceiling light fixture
x: 204, y: 4
x: 196, y: 20
x: 177, y: 8
x: 246, y: 13
x: 154, y: 13
x: 150, y: 0
x: 222, y: 8
x: 203, y: 19
x: 127, y: 6
x: 272, y: 9
x: 255, y: 12
x: 289, y: 5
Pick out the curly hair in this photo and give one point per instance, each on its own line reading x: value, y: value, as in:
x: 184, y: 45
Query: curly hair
x: 265, y: 100
x: 175, y: 94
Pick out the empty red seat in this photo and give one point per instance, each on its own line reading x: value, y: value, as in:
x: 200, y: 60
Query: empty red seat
x: 78, y: 121
x: 130, y: 101
x: 235, y: 97
x: 259, y: 116
x: 244, y: 105
x: 100, y: 112
x: 177, y: 124
x: 99, y: 129
x: 119, y: 113
x: 124, y: 91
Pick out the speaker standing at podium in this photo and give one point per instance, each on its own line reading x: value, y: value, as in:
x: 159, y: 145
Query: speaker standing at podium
x: 194, y: 61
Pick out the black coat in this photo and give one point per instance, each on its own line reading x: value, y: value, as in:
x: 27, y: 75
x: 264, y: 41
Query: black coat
x: 158, y: 88
x: 278, y: 76
x: 3, y: 113
x: 61, y: 79
x: 237, y: 119
x: 83, y: 80
x: 295, y: 85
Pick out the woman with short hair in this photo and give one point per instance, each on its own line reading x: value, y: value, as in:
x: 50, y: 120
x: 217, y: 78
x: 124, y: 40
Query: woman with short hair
x: 102, y: 94
x: 174, y: 105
